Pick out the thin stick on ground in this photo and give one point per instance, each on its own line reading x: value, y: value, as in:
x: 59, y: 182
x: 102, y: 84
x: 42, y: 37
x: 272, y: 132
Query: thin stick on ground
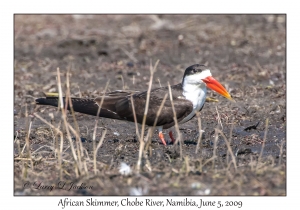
x: 95, y: 128
x: 134, y: 117
x: 215, y: 146
x: 152, y: 70
x: 24, y: 147
x: 200, y: 132
x: 24, y: 169
x: 159, y: 82
x: 45, y: 146
x: 133, y: 79
x: 19, y: 148
x: 187, y: 165
x: 64, y: 116
x: 281, y: 152
x: 28, y: 129
x: 229, y: 148
x: 151, y: 131
x: 97, y: 148
x: 79, y: 91
x: 219, y: 119
x: 206, y: 162
x: 156, y: 118
x: 16, y: 137
x: 179, y: 138
x: 147, y: 145
x: 123, y: 82
x: 69, y: 100
x: 130, y: 55
x: 230, y: 138
x: 264, y: 142
x: 55, y: 138
x: 59, y: 151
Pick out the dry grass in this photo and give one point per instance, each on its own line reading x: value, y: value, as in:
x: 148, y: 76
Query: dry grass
x: 55, y: 145
x: 141, y: 139
x: 81, y: 165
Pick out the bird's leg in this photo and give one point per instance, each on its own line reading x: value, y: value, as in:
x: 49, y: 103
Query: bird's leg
x: 171, y: 136
x: 161, y: 136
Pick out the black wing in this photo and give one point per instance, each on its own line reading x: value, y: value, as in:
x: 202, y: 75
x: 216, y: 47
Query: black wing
x: 117, y: 105
x: 182, y: 107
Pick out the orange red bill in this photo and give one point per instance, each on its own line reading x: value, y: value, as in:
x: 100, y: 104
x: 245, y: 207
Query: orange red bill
x: 213, y: 84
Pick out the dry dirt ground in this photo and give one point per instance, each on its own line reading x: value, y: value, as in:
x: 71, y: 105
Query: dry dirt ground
x: 246, y: 53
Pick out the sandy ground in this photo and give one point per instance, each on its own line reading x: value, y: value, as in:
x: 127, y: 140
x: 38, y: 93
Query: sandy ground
x: 246, y: 53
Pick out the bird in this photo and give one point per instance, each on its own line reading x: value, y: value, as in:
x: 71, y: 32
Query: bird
x: 188, y: 98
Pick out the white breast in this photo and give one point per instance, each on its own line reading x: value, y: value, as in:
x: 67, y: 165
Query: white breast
x: 197, y: 95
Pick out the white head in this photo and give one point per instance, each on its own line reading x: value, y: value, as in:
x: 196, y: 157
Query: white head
x: 195, y: 74
x: 199, y: 77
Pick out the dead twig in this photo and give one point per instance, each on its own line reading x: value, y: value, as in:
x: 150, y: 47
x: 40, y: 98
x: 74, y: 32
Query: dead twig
x: 179, y: 137
x: 59, y: 151
x: 264, y: 142
x: 95, y: 128
x: 28, y: 129
x: 229, y: 148
x: 97, y: 148
x: 152, y: 70
x: 200, y: 132
x: 64, y: 116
